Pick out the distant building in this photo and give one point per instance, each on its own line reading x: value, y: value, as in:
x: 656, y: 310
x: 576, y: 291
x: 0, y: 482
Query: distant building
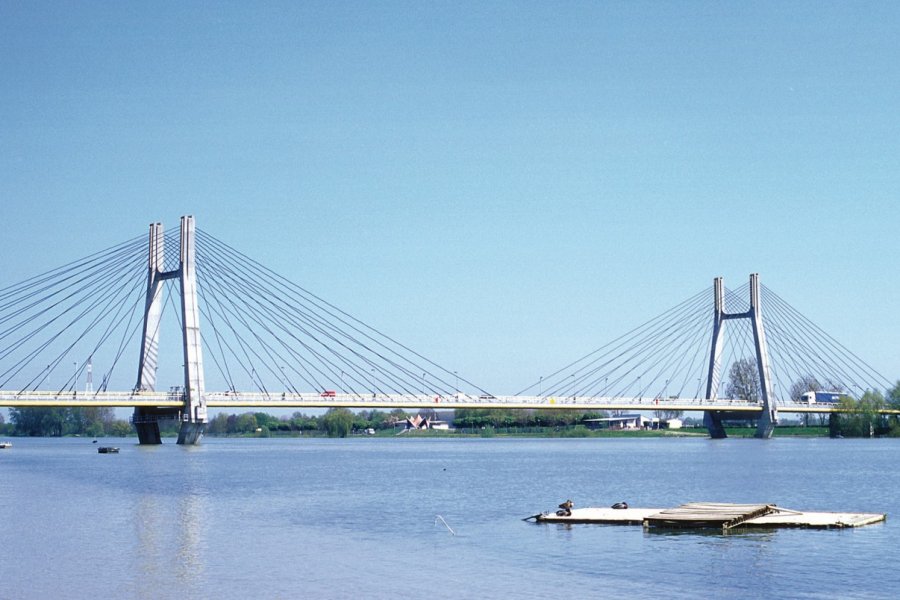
x: 420, y: 422
x: 657, y: 423
x: 635, y: 421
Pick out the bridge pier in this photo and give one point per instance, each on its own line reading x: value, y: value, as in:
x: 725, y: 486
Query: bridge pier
x: 713, y: 422
x: 146, y: 421
x: 766, y: 424
x: 147, y: 429
x: 191, y: 433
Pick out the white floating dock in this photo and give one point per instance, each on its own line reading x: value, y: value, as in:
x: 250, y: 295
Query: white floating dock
x: 714, y: 515
x: 604, y: 516
x: 820, y: 520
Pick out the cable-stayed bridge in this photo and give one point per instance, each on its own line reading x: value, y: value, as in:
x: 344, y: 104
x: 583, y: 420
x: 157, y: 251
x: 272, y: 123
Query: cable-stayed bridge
x: 73, y: 335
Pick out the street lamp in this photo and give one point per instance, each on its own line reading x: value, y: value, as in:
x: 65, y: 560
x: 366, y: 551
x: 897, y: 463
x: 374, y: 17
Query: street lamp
x: 455, y: 374
x: 541, y: 387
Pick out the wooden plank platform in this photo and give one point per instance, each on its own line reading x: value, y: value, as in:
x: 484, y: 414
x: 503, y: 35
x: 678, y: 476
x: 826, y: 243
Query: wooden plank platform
x: 720, y: 516
x: 707, y: 514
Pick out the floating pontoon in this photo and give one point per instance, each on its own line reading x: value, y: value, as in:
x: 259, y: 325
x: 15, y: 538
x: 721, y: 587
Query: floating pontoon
x: 713, y: 515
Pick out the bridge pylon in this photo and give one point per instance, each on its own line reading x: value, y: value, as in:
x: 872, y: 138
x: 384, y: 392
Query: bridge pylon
x: 768, y: 418
x: 193, y: 414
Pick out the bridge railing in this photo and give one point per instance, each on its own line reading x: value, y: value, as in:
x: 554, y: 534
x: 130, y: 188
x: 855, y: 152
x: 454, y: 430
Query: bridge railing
x: 76, y: 398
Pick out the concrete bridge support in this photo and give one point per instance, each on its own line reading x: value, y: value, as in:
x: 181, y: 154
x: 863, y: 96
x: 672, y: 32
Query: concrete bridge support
x: 713, y: 423
x: 193, y: 415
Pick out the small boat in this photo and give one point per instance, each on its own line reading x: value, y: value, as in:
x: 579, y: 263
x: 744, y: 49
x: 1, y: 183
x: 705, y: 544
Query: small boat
x: 108, y: 450
x: 5, y: 445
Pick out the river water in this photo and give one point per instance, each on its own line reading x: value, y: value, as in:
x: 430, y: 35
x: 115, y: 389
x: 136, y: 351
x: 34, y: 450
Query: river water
x: 358, y: 518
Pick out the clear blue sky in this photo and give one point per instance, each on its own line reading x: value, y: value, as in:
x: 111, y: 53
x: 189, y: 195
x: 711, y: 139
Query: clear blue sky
x: 503, y: 186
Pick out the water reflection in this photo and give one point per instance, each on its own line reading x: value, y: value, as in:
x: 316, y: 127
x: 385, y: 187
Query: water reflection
x: 149, y: 531
x: 711, y: 532
x: 191, y: 562
x: 172, y: 513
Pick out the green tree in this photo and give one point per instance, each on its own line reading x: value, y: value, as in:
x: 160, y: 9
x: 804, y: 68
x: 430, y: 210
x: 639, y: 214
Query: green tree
x: 471, y: 418
x: 337, y: 422
x: 860, y: 418
x: 246, y: 423
x: 378, y: 420
x: 218, y: 425
x: 892, y: 399
x: 302, y: 422
x: 265, y: 420
x: 119, y: 428
x: 602, y: 414
x: 567, y: 417
x: 90, y: 420
x: 96, y: 429
x: 893, y: 396
x: 38, y: 421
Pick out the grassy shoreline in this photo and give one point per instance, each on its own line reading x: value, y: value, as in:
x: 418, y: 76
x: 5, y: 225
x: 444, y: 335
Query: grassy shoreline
x: 550, y: 432
x: 529, y: 432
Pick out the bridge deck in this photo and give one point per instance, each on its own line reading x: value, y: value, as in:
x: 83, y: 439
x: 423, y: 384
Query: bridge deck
x: 12, y: 398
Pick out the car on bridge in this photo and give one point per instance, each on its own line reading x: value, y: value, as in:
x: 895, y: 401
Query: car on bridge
x: 329, y: 394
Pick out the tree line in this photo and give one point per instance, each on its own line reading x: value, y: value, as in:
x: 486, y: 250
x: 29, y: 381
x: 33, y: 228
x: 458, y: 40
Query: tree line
x: 337, y: 422
x: 59, y: 421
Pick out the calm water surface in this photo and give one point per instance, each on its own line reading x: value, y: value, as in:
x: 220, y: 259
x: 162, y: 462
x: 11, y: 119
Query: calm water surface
x: 356, y: 518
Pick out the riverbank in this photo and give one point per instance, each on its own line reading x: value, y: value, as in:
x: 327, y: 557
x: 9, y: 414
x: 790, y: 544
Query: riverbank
x: 577, y: 431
